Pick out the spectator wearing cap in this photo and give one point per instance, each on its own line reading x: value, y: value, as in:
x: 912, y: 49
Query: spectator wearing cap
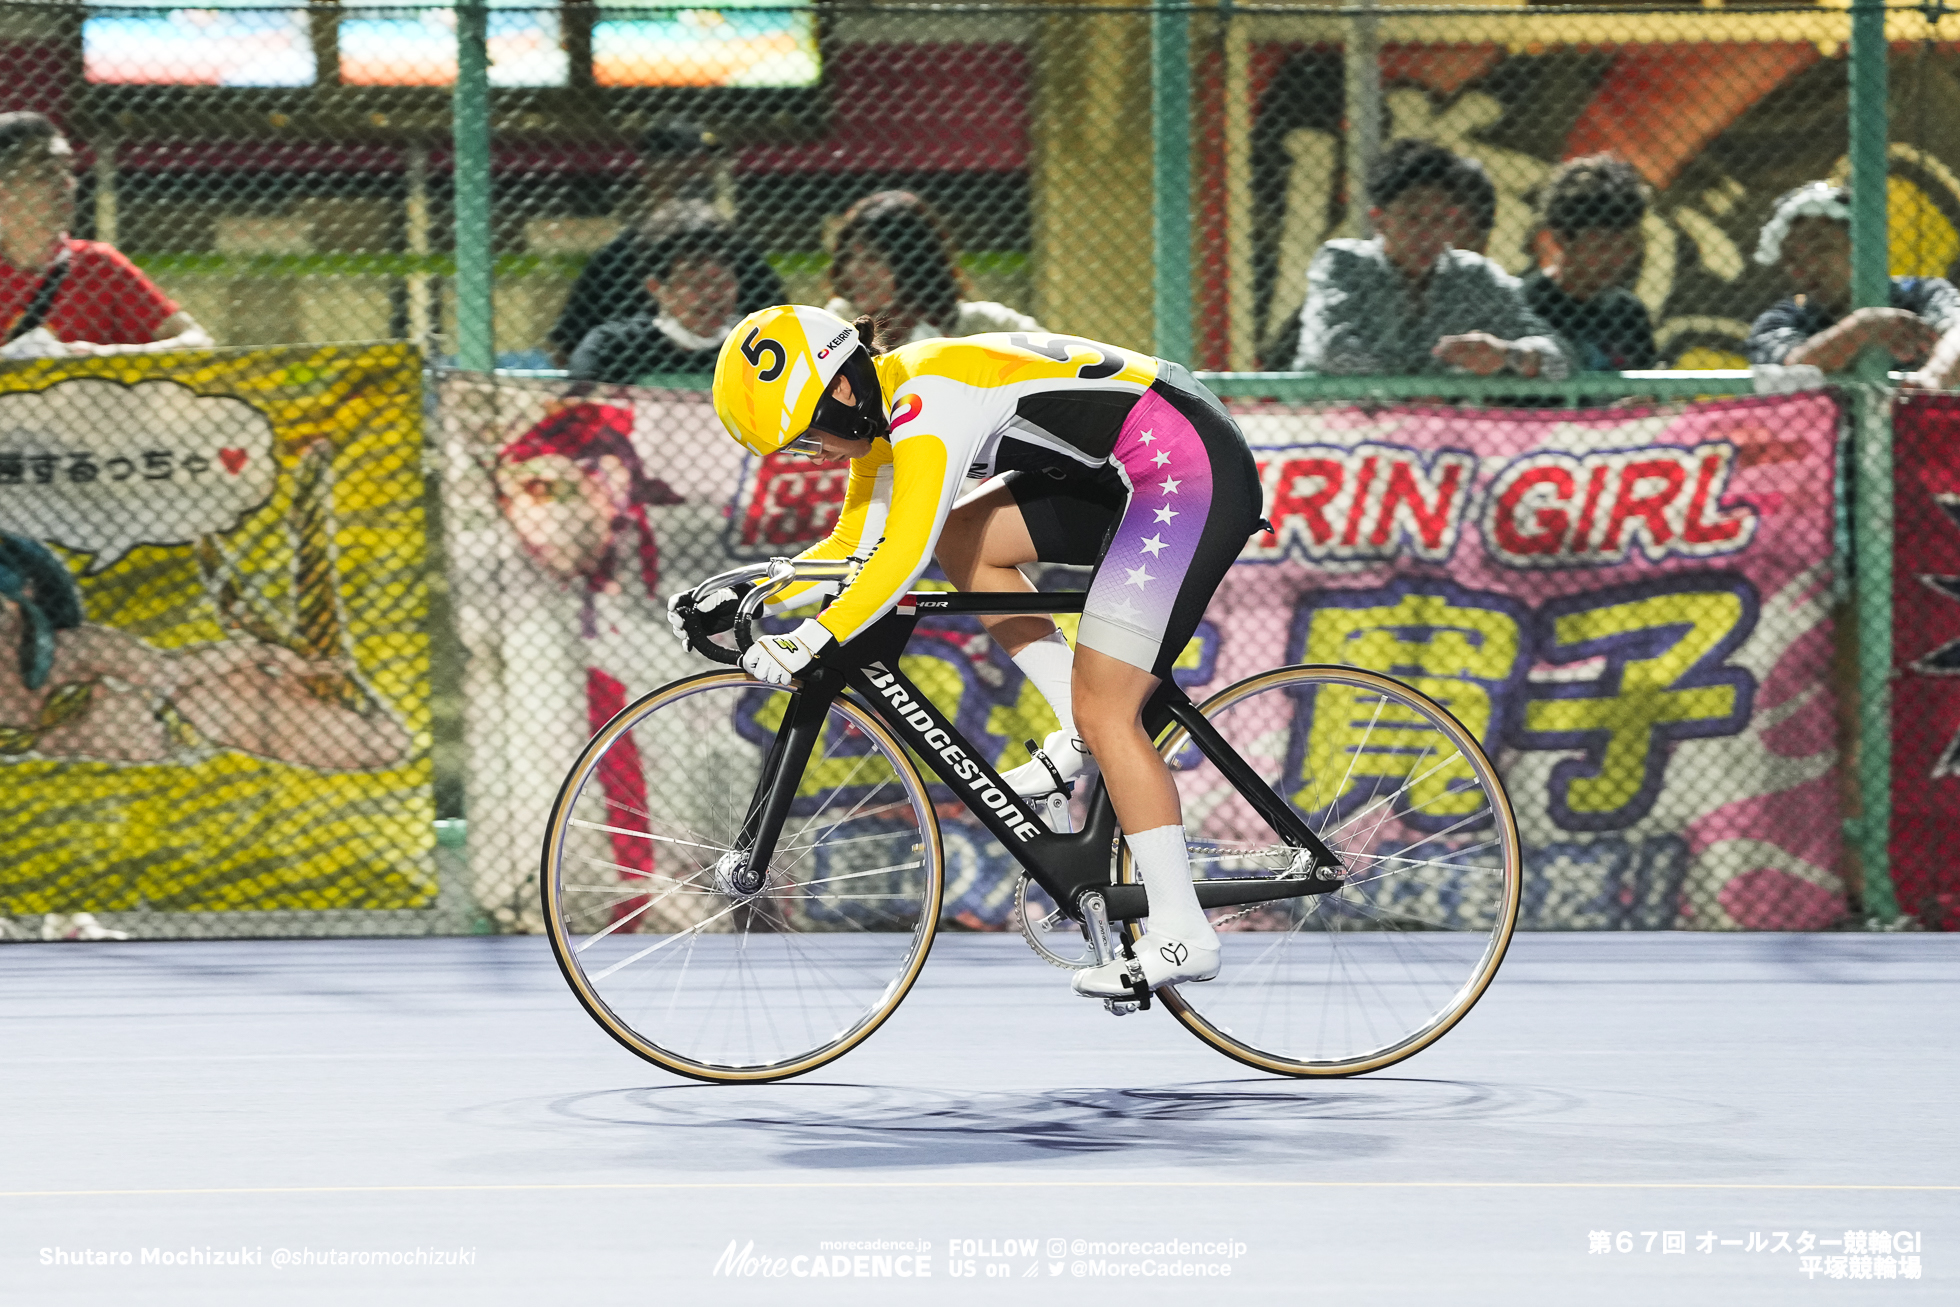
x: 682, y: 169
x: 1588, y: 244
x: 1406, y: 301
x: 693, y: 273
x: 1808, y: 235
x: 892, y: 257
x: 60, y: 296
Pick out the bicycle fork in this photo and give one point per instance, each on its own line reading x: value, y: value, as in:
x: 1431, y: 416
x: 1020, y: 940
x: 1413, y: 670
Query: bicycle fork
x: 744, y: 869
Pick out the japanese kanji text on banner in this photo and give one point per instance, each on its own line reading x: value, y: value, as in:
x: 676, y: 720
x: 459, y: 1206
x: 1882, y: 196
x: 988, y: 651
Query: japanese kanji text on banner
x: 214, y: 688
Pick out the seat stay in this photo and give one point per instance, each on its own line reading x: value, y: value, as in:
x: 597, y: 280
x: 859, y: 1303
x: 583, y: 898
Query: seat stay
x: 1285, y: 820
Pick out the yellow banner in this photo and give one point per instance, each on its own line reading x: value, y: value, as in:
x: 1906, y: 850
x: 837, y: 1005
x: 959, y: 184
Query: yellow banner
x: 214, y: 664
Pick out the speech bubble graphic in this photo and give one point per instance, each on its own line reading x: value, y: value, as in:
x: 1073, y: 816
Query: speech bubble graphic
x: 99, y: 467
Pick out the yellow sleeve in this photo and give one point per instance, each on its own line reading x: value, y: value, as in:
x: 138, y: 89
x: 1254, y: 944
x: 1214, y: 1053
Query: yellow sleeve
x: 922, y: 494
x: 845, y: 538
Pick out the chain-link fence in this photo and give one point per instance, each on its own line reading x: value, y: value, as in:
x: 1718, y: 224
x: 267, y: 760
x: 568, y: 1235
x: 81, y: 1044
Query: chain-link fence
x: 1652, y: 594
x: 290, y: 174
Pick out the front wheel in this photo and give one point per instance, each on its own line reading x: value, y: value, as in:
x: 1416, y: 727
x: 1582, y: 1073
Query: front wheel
x: 1367, y: 974
x: 662, y: 936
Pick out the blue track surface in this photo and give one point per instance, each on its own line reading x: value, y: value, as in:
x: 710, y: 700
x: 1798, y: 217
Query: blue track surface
x: 383, y: 1096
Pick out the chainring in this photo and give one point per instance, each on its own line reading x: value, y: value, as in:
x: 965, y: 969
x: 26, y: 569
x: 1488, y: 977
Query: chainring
x: 1055, y: 938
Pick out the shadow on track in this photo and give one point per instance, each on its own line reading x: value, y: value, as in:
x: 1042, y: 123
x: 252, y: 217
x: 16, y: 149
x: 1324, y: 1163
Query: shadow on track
x: 830, y: 1126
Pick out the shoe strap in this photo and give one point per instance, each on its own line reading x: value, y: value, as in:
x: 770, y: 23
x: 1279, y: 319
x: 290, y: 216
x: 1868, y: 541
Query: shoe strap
x: 1041, y: 756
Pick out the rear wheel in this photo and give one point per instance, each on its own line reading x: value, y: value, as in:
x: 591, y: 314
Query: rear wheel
x: 1360, y: 977
x: 650, y: 923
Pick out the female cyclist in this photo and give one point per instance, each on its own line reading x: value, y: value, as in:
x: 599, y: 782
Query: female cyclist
x: 1121, y: 460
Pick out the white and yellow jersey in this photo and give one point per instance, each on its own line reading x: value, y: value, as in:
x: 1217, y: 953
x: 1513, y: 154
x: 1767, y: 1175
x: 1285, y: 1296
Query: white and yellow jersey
x: 964, y: 408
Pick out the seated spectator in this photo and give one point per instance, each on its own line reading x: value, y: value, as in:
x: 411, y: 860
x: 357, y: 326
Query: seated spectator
x: 1477, y: 196
x: 1809, y: 236
x: 60, y: 296
x: 1405, y: 302
x: 894, y: 259
x: 1588, y: 244
x: 681, y: 167
x: 693, y: 275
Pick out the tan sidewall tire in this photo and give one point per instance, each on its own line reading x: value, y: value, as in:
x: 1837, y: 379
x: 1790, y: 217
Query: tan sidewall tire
x: 1494, y: 956
x: 548, y: 886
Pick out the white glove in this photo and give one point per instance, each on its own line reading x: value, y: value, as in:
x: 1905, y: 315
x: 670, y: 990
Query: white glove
x: 777, y: 659
x: 678, y: 620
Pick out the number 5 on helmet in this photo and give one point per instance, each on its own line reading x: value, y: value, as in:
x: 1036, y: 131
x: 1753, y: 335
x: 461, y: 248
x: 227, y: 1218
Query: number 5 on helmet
x: 774, y: 374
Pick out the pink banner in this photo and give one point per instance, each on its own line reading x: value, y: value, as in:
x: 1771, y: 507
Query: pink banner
x: 1630, y: 607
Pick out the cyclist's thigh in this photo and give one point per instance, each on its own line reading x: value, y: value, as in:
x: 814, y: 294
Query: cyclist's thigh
x: 1069, y: 509
x: 1194, y: 499
x: 988, y: 530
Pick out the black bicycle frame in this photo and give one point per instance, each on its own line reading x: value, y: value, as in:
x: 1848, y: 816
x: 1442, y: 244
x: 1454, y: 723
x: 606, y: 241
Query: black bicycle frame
x: 1066, y: 866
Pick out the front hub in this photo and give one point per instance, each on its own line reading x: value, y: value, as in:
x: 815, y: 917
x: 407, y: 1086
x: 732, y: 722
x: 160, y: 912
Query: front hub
x: 735, y: 877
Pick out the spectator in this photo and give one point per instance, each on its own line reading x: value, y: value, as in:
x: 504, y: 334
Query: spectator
x: 894, y: 259
x: 693, y: 275
x: 681, y: 166
x: 1588, y: 244
x: 1477, y: 196
x: 60, y: 296
x: 1405, y: 302
x: 1809, y: 236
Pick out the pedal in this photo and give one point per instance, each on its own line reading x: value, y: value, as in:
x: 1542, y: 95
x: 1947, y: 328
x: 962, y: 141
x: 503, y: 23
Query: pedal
x: 1054, y: 810
x: 1118, y: 1007
x: 1139, y: 1000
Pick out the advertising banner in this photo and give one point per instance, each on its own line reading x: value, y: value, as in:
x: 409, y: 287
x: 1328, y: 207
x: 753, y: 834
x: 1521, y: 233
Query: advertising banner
x: 1926, y: 657
x: 572, y: 512
x: 214, y: 664
x: 1630, y: 607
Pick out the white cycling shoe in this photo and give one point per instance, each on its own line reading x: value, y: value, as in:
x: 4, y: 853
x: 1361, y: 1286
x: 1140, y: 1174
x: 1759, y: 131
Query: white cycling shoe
x: 1164, y: 959
x: 1033, y: 779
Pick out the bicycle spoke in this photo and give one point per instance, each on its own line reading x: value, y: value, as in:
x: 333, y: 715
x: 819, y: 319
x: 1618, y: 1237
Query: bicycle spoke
x: 853, y: 875
x: 635, y: 871
x: 644, y: 952
x: 728, y: 986
x: 1376, y: 967
x: 1354, y: 756
x: 647, y: 835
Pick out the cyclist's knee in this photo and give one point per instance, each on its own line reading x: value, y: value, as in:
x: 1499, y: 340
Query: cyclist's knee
x: 1108, y: 721
x: 959, y: 542
x: 1103, y: 736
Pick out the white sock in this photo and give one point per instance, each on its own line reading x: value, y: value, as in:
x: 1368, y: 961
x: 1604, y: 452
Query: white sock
x: 1165, y: 865
x: 1050, y: 664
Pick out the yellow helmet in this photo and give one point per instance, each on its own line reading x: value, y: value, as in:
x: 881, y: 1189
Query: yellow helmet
x: 775, y: 371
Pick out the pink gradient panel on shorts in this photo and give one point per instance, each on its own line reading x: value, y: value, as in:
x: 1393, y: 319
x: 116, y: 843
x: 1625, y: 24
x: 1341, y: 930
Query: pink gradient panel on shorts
x: 1168, y: 468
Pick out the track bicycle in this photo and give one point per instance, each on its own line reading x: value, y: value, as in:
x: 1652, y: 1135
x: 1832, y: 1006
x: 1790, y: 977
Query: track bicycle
x: 773, y: 899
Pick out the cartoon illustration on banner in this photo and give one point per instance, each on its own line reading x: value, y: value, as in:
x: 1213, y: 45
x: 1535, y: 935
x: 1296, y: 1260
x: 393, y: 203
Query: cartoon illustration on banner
x: 214, y: 694
x: 570, y: 545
